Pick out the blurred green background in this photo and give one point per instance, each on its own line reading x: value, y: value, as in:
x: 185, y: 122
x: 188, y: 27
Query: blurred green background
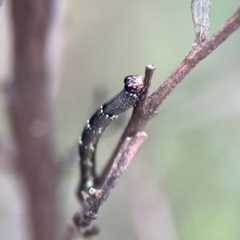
x: 185, y: 182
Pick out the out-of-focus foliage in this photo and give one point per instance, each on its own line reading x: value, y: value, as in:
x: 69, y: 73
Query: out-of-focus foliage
x: 184, y: 184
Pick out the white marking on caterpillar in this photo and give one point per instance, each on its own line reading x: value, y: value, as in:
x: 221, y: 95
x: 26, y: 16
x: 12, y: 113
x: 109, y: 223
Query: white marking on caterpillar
x: 114, y: 116
x: 80, y: 140
x: 88, y: 183
x: 127, y: 98
x: 91, y: 147
x: 78, y: 158
x: 132, y: 95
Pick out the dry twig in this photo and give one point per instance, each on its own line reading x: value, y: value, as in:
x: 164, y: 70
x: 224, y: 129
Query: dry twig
x: 96, y: 197
x: 143, y: 113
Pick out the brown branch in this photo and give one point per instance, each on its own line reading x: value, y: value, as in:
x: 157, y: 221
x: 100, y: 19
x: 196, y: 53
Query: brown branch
x: 29, y: 108
x: 96, y: 197
x: 140, y: 117
x: 8, y: 153
x: 142, y: 114
x: 148, y: 76
x: 128, y: 151
x: 197, y: 53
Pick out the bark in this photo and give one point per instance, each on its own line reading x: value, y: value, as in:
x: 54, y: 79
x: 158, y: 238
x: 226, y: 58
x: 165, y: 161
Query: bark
x: 30, y: 112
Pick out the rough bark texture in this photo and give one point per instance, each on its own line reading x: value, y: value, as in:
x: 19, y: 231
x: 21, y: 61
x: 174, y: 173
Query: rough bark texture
x: 30, y: 107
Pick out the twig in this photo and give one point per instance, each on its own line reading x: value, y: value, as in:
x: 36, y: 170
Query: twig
x: 143, y: 113
x: 128, y: 151
x: 95, y: 197
x: 148, y: 76
x: 199, y: 51
x: 148, y: 109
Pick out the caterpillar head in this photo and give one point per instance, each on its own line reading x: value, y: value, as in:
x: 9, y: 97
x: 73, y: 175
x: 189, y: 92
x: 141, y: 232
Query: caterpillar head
x: 134, y: 84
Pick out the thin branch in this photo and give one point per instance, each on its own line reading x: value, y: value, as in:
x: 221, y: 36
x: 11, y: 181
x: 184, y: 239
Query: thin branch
x: 148, y: 109
x: 96, y: 197
x: 199, y: 51
x: 128, y: 151
x: 148, y: 76
x: 140, y: 117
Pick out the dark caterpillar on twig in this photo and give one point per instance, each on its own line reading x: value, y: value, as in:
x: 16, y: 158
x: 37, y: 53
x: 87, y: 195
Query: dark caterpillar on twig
x: 130, y: 96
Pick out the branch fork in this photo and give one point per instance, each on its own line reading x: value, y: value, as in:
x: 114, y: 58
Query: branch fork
x: 133, y: 136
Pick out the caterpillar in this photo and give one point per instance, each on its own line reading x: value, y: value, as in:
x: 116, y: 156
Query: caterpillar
x: 129, y: 96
